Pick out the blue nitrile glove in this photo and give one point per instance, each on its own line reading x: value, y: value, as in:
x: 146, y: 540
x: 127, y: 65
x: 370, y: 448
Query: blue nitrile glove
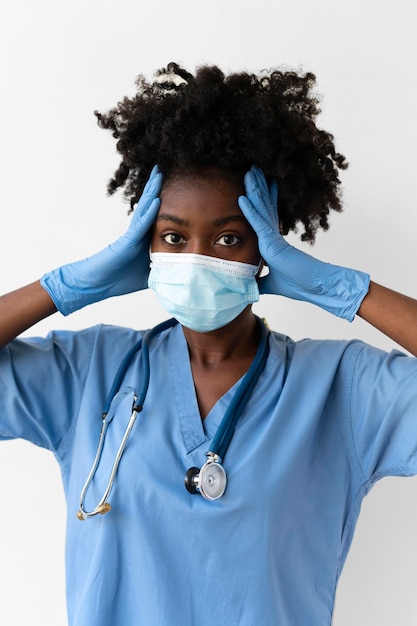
x: 122, y: 267
x: 293, y: 273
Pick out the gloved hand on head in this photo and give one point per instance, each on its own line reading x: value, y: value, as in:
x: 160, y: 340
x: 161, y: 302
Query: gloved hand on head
x: 293, y: 273
x: 122, y: 267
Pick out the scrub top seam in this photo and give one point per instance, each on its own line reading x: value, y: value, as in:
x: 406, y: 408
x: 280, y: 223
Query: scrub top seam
x: 368, y: 481
x: 355, y: 358
x: 63, y: 447
x: 359, y: 481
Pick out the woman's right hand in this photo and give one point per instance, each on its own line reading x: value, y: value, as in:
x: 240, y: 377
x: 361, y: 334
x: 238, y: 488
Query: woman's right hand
x: 122, y: 267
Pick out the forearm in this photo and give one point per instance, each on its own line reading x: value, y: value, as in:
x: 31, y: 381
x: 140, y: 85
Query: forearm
x: 393, y: 314
x: 21, y: 309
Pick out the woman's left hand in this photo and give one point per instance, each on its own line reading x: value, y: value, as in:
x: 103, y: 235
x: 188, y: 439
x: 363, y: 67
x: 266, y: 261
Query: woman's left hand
x: 293, y: 273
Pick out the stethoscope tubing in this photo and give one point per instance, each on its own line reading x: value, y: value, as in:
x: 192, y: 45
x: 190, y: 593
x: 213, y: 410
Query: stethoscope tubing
x: 224, y: 434
x: 143, y: 343
x: 222, y: 438
x: 103, y: 506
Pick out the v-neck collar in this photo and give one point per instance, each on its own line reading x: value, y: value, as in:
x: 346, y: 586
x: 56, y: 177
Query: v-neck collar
x: 194, y: 430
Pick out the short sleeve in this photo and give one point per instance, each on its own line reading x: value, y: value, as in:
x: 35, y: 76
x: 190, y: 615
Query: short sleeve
x: 384, y: 413
x: 41, y: 385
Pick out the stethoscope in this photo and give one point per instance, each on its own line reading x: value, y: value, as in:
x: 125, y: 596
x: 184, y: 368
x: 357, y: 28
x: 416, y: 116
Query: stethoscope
x: 210, y: 480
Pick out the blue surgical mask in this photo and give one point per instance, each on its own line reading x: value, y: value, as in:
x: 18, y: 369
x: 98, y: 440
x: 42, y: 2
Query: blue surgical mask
x: 202, y: 292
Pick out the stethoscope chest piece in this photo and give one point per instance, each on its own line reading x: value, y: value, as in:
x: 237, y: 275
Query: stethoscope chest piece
x: 210, y: 480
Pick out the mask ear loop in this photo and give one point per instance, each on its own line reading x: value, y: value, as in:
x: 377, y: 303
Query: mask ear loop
x: 263, y: 270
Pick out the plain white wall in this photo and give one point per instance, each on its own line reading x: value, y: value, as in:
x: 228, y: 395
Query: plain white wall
x: 59, y: 62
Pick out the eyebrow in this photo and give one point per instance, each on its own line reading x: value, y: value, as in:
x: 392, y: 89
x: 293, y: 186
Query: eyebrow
x: 222, y: 221
x: 168, y: 217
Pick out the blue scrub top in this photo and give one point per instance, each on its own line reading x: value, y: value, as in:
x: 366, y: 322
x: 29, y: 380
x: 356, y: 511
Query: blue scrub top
x: 326, y: 420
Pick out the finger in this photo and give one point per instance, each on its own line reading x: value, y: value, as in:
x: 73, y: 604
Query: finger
x: 144, y: 217
x: 150, y: 216
x: 260, y: 180
x: 253, y: 193
x: 251, y: 213
x: 273, y: 194
x: 257, y: 189
x: 151, y: 190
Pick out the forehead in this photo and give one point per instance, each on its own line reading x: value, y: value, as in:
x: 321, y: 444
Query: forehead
x: 213, y: 190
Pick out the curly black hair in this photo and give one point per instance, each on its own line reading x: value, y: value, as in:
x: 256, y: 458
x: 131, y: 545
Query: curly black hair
x: 185, y: 122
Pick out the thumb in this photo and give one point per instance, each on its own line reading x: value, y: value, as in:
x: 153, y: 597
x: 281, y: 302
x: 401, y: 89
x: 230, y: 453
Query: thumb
x: 142, y: 220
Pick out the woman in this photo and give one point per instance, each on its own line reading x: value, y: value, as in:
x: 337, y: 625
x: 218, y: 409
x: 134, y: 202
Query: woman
x: 323, y: 421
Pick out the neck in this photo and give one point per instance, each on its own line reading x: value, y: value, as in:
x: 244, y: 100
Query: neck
x: 238, y: 340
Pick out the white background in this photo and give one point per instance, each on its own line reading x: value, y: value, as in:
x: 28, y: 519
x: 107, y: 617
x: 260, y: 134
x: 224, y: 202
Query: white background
x: 59, y: 62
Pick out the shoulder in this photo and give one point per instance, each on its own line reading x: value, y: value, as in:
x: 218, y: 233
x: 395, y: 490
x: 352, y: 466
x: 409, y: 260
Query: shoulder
x: 70, y: 345
x: 332, y: 348
x: 347, y: 357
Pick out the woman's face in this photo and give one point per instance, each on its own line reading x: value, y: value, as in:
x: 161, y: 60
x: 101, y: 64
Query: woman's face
x: 200, y: 215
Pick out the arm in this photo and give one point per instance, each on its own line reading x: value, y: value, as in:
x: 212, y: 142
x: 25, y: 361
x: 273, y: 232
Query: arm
x: 122, y: 267
x: 393, y: 314
x: 21, y: 309
x: 341, y: 291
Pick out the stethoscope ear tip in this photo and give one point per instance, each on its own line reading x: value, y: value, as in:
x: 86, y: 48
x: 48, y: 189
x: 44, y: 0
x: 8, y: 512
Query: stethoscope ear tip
x: 102, y: 509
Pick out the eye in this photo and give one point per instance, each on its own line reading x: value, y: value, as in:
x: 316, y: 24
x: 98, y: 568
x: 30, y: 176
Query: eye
x: 228, y: 240
x: 172, y: 239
